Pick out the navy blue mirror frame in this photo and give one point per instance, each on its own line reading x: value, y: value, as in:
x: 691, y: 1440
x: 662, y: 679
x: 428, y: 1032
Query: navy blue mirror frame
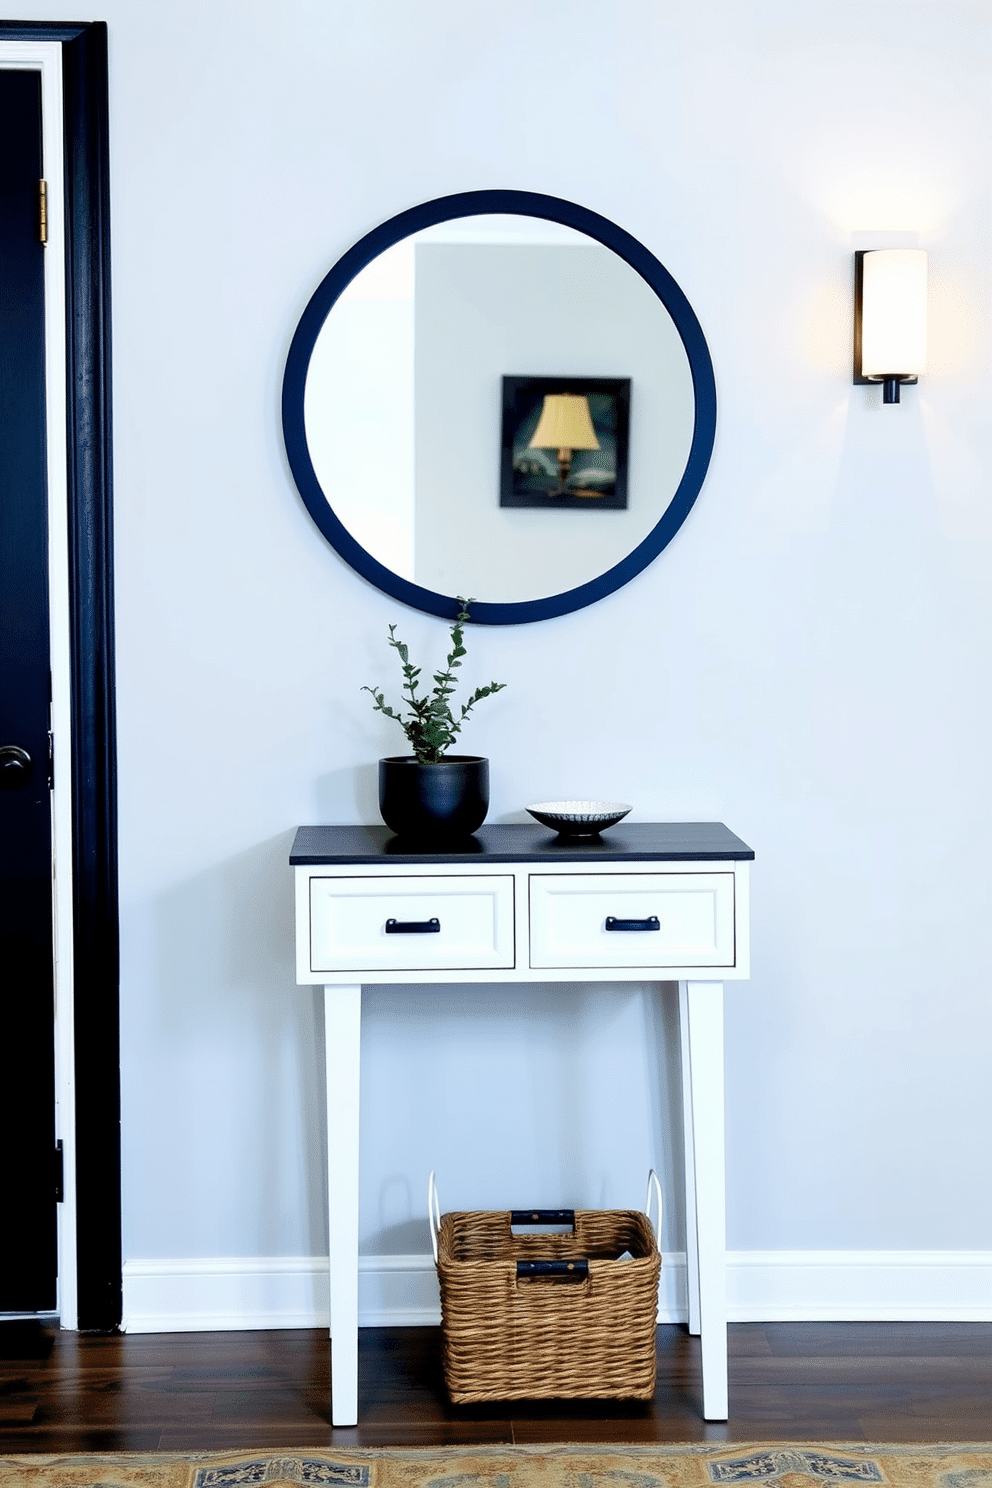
x: 472, y: 204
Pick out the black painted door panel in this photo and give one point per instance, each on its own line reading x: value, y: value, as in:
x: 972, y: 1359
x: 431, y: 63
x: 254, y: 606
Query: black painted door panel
x: 27, y: 1080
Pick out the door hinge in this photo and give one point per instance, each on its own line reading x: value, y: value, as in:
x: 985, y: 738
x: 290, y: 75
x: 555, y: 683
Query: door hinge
x: 43, y: 211
x: 51, y: 760
x: 59, y: 1173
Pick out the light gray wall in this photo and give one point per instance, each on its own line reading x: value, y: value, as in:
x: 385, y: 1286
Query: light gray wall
x: 809, y: 661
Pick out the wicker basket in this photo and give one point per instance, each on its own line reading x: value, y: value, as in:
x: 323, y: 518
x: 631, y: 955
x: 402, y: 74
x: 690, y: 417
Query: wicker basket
x: 581, y: 1325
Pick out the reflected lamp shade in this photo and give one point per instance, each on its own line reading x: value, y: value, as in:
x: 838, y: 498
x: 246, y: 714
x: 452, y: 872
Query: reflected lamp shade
x: 890, y: 317
x: 565, y: 423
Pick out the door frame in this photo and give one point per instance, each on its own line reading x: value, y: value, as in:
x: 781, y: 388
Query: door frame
x: 81, y: 563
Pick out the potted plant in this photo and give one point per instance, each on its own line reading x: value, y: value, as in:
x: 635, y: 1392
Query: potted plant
x: 432, y: 793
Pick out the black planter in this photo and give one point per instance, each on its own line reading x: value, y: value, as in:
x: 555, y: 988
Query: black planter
x: 431, y: 802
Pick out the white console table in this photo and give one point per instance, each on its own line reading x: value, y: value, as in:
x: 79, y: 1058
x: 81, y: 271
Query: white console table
x: 661, y: 902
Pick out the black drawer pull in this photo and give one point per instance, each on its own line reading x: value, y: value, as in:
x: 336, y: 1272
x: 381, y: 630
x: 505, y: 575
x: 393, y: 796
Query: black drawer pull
x: 543, y: 1217
x: 570, y: 1270
x: 413, y: 927
x: 651, y: 923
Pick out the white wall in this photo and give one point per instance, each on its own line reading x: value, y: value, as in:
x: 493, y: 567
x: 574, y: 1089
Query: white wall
x: 809, y: 661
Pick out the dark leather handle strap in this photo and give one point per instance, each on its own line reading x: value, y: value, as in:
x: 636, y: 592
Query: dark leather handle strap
x: 543, y: 1217
x: 571, y: 1270
x: 650, y: 923
x: 413, y: 927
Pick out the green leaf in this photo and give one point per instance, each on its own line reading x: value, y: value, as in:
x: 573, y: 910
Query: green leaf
x: 430, y: 727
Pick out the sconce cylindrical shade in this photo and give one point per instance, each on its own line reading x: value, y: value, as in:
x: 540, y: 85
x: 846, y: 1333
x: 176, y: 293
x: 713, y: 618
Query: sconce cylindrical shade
x: 894, y: 312
x: 565, y: 423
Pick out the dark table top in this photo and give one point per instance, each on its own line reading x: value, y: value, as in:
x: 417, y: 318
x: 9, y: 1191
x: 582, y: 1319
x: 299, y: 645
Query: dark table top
x: 628, y: 842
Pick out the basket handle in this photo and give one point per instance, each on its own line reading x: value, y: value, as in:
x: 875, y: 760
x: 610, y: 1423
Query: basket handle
x: 576, y: 1269
x: 542, y: 1217
x: 433, y: 1211
x: 654, y: 1188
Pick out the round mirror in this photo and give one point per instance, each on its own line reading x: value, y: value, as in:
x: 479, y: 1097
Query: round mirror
x: 503, y: 396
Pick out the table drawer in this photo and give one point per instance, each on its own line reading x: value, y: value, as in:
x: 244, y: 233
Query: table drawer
x: 378, y: 924
x: 654, y: 920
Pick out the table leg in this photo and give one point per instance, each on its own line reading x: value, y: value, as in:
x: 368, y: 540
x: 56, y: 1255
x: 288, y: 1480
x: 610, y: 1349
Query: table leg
x: 691, y: 1246
x: 704, y: 1001
x: 342, y: 1051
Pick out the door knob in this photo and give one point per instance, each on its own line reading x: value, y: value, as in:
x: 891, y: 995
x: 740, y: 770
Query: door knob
x: 15, y: 767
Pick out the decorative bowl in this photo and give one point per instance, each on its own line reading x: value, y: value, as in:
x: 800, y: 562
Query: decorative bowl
x: 578, y: 818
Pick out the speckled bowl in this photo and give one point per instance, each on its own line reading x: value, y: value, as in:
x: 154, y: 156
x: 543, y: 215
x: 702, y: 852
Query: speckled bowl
x: 578, y: 818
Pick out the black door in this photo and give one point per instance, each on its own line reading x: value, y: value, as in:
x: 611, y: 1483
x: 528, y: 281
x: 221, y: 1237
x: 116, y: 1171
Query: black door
x: 28, y: 1256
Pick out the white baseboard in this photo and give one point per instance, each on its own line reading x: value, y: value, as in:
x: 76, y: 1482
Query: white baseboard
x: 216, y: 1293
x: 223, y: 1292
x: 871, y: 1286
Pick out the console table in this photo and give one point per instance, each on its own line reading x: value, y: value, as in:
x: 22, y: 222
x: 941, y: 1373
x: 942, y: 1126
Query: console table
x: 661, y: 902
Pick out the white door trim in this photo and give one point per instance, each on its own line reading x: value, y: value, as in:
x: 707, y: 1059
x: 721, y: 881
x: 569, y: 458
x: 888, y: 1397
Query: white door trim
x: 46, y: 57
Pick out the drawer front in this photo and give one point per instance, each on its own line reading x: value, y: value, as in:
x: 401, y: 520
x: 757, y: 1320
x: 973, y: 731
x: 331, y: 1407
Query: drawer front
x: 687, y: 920
x: 350, y: 927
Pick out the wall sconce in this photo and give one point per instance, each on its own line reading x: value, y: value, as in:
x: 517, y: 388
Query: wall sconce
x: 890, y: 317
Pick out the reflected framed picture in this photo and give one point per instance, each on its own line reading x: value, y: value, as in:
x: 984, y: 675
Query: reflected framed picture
x: 564, y: 443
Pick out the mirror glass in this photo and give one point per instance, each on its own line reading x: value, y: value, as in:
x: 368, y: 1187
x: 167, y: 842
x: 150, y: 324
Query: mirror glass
x: 497, y: 405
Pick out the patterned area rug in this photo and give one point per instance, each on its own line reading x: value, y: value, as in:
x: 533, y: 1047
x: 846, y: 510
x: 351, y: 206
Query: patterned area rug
x: 786, y: 1465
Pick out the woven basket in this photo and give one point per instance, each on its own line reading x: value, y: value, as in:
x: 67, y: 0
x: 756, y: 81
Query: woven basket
x: 519, y: 1337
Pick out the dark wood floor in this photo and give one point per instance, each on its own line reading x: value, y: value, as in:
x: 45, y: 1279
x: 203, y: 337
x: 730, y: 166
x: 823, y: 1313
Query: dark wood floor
x: 883, y: 1382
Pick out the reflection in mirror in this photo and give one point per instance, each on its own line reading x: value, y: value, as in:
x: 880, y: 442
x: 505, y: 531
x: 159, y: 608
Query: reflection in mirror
x: 403, y: 401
